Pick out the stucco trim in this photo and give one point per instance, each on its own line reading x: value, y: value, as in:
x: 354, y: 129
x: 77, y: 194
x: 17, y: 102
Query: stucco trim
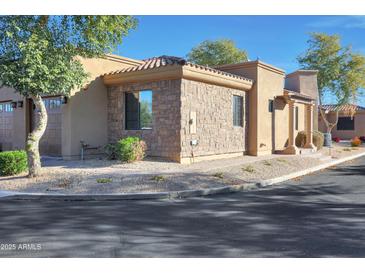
x: 162, y: 73
x: 301, y: 72
x: 191, y: 73
x: 177, y: 72
x: 256, y: 63
x: 122, y: 59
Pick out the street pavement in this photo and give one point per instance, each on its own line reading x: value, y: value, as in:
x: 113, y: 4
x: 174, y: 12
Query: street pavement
x: 319, y: 215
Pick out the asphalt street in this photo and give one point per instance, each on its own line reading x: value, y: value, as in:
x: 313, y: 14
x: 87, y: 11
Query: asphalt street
x: 319, y: 215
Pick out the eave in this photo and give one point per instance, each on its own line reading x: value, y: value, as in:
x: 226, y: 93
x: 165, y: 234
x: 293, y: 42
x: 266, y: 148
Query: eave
x: 178, y: 72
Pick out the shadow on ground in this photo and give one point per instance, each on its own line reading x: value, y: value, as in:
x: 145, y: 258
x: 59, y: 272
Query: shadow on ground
x: 322, y: 215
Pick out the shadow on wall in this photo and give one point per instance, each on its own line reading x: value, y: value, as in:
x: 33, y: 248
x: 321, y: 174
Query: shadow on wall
x: 89, y: 118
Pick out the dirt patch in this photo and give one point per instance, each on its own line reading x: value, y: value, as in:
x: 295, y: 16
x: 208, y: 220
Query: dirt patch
x: 152, y: 175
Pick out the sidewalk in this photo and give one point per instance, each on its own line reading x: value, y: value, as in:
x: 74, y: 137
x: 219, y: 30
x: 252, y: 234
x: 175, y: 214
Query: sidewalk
x: 100, y: 177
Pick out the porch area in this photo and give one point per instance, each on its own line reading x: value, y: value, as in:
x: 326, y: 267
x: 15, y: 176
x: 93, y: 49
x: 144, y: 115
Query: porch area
x: 293, y: 100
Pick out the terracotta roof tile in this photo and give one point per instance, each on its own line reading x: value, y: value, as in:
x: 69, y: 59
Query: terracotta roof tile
x: 165, y: 60
x: 345, y: 107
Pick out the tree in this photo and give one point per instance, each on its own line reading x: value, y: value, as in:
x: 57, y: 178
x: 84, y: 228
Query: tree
x: 39, y: 56
x: 341, y: 72
x: 145, y: 114
x: 219, y: 52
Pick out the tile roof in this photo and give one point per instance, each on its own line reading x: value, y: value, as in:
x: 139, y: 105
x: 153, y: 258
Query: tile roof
x: 297, y: 94
x: 164, y: 60
x: 345, y: 107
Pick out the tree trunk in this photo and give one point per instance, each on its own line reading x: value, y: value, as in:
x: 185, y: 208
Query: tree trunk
x: 34, y: 161
x: 329, y: 126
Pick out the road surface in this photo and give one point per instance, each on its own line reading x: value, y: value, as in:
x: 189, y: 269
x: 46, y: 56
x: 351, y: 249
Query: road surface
x: 320, y: 215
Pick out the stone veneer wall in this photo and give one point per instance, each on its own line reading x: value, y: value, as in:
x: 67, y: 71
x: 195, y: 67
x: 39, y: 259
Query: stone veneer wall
x: 163, y: 140
x: 214, y: 120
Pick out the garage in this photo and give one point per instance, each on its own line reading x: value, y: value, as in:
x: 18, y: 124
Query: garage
x: 6, y: 126
x: 50, y: 143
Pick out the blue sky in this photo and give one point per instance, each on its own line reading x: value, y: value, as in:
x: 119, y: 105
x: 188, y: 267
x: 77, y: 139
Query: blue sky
x: 277, y: 40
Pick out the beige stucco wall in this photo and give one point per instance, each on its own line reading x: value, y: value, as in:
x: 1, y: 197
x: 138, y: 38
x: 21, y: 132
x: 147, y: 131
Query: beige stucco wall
x: 213, y: 110
x: 281, y: 118
x: 163, y: 140
x: 270, y: 84
x: 84, y: 117
x: 345, y: 134
x: 305, y: 82
x: 18, y: 133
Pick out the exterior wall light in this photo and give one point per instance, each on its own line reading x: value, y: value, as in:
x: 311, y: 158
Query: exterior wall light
x: 64, y: 100
x: 20, y: 104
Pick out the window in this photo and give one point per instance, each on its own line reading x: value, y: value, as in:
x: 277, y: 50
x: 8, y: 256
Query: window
x: 6, y: 107
x: 346, y: 123
x: 138, y: 110
x: 271, y: 105
x: 52, y: 102
x: 237, y: 111
x: 296, y: 118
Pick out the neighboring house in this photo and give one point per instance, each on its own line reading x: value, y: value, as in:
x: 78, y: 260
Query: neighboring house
x: 185, y: 112
x: 351, y: 121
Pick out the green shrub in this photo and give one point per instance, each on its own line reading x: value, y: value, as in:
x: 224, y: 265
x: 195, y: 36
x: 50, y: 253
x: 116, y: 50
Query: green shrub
x: 111, y: 151
x: 104, y: 180
x: 158, y: 178
x: 12, y: 162
x: 130, y: 149
x: 318, y: 139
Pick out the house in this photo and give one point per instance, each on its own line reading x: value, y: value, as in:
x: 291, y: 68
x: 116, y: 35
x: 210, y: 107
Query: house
x: 351, y: 120
x: 185, y: 112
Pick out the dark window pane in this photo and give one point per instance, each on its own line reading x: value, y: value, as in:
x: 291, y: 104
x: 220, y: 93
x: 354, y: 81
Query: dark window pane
x: 131, y: 111
x: 346, y: 123
x: 271, y: 105
x: 237, y: 111
x: 296, y: 118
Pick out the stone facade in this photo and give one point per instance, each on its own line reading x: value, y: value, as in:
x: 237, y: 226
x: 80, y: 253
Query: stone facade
x: 163, y: 140
x: 173, y: 102
x: 215, y: 132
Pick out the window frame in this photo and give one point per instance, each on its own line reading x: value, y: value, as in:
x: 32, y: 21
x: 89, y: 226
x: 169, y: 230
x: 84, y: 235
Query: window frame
x: 138, y: 110
x: 271, y: 105
x: 348, y: 118
x: 6, y: 107
x: 296, y: 118
x: 240, y: 122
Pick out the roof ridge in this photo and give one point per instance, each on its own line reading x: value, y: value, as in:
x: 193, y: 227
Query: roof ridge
x: 165, y: 60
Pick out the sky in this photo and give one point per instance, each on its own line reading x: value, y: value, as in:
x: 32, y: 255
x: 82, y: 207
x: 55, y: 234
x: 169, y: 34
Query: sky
x: 276, y: 40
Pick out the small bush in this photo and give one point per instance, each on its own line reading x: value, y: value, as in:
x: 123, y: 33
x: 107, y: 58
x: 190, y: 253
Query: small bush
x: 336, y: 139
x: 12, y: 162
x: 219, y: 175
x: 267, y: 163
x: 248, y: 168
x: 318, y: 139
x: 111, y: 151
x: 104, y: 180
x: 158, y: 178
x: 355, y: 142
x: 130, y: 149
x: 282, y: 160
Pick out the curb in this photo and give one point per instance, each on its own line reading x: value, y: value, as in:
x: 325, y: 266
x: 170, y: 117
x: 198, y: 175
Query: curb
x: 12, y: 195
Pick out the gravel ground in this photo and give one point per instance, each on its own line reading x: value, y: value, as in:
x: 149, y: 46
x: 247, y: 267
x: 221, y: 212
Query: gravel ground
x: 151, y: 175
